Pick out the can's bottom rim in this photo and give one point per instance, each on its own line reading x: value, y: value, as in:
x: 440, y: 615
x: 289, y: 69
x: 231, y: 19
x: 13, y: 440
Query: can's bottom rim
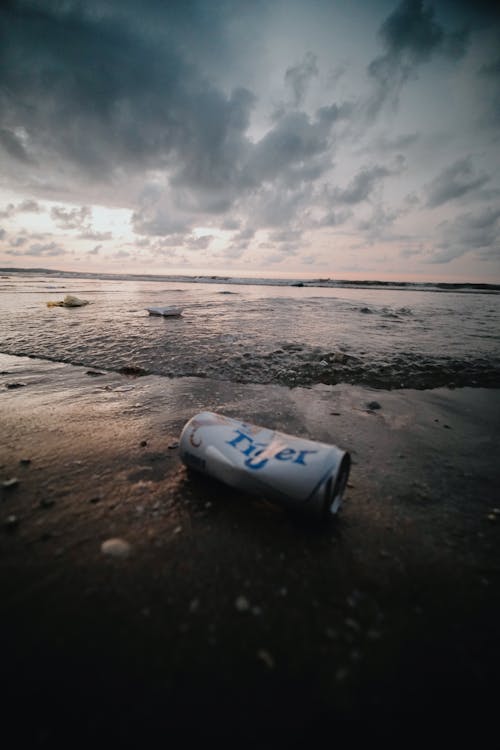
x: 334, y: 493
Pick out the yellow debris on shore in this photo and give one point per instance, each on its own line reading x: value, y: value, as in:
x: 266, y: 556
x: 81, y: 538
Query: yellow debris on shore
x: 69, y: 301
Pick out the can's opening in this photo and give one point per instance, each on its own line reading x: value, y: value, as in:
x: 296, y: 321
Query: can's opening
x: 335, y: 492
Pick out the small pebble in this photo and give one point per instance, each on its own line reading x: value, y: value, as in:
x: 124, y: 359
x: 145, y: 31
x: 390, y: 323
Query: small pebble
x: 242, y: 604
x: 11, y: 522
x: 352, y: 624
x: 172, y: 446
x: 25, y: 461
x: 7, y: 484
x: 144, y: 443
x: 374, y: 405
x: 265, y: 657
x: 116, y: 548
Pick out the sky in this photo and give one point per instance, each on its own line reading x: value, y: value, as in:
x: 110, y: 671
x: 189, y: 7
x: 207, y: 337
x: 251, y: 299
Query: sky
x: 301, y: 138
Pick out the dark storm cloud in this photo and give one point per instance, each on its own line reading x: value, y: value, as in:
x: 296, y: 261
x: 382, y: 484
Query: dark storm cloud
x: 411, y: 36
x: 490, y: 70
x: 296, y: 149
x: 453, y: 182
x: 96, y: 87
x: 101, y: 89
x: 488, y: 76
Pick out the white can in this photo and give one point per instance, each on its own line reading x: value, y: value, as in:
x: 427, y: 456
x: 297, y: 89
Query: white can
x: 299, y: 474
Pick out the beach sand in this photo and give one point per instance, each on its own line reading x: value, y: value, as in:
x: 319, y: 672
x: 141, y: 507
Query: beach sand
x: 225, y: 614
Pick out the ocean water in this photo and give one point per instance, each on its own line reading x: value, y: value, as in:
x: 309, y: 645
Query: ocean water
x: 380, y: 335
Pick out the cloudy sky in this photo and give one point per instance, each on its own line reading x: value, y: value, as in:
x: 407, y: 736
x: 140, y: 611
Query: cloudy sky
x: 311, y: 138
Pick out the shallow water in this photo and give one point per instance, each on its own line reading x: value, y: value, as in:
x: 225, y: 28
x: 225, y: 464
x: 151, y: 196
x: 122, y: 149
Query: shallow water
x: 382, y: 337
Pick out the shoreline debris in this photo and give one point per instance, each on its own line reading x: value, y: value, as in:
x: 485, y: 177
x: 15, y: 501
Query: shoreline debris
x: 167, y: 311
x: 69, y: 301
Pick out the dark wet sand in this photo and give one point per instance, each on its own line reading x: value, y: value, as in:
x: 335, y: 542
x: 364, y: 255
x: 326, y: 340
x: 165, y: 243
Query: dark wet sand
x: 228, y: 615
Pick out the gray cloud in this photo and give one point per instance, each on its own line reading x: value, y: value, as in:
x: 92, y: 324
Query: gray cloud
x: 411, y: 36
x: 364, y: 183
x: 39, y: 250
x: 361, y: 186
x: 156, y: 109
x: 198, y: 243
x: 95, y: 88
x: 384, y: 144
x: 157, y: 216
x: 71, y: 218
x: 453, y: 182
x: 411, y: 30
x: 19, y: 241
x: 335, y: 217
x: 470, y: 232
x: 296, y: 150
x: 377, y: 226
x: 29, y: 206
x: 26, y: 206
x: 3, y: 233
x: 7, y: 211
x: 14, y: 147
x: 491, y: 70
x: 96, y: 236
x: 299, y: 76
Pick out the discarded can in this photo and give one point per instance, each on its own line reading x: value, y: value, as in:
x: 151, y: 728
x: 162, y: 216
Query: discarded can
x: 296, y: 473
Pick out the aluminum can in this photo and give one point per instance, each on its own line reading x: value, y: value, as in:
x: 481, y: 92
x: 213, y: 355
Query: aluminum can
x: 299, y: 474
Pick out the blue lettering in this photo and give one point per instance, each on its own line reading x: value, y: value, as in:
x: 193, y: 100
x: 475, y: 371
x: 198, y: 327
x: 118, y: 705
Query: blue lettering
x: 239, y: 437
x: 248, y: 447
x: 257, y: 465
x: 285, y: 455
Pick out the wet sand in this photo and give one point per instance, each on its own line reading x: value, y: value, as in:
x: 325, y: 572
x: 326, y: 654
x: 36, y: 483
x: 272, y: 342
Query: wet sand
x: 225, y: 614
